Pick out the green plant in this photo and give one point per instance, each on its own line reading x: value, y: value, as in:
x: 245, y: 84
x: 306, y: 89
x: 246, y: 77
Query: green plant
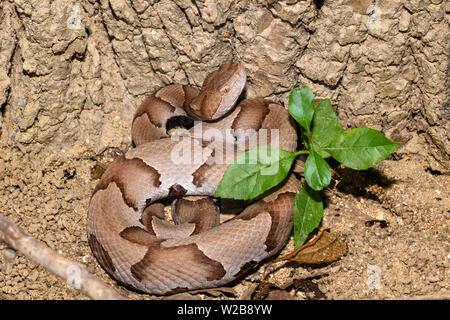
x: 323, y: 137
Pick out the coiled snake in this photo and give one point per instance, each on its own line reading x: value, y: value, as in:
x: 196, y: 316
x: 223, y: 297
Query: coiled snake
x: 126, y: 229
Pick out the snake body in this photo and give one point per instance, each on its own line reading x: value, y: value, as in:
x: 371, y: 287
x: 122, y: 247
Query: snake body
x: 126, y: 228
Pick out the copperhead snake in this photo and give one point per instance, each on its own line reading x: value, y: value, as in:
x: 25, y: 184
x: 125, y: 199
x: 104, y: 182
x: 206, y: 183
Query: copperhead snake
x: 126, y: 228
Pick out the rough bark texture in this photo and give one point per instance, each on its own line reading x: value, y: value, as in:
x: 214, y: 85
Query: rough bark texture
x: 73, y: 72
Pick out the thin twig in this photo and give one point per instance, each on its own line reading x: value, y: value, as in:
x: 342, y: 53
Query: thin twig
x: 75, y: 274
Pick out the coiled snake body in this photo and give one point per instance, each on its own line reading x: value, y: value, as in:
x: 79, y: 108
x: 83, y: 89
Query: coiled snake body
x: 126, y: 229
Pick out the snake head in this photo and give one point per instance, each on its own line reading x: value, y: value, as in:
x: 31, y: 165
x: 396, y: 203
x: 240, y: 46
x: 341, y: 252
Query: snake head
x: 219, y: 92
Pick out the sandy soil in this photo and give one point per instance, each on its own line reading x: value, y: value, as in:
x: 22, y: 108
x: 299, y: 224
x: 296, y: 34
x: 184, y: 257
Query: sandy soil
x: 404, y: 255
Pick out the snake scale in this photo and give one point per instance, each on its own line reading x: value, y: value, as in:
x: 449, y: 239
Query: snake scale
x: 127, y: 231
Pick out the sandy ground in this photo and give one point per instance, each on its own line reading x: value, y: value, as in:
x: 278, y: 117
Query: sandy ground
x: 404, y: 255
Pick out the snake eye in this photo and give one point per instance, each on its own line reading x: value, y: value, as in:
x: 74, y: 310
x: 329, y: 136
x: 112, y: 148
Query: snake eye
x: 225, y: 90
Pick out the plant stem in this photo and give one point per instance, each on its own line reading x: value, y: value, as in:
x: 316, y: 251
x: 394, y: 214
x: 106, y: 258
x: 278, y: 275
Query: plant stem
x: 308, y: 135
x: 301, y: 152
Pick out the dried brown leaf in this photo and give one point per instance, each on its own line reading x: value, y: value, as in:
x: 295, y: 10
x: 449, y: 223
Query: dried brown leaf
x: 327, y: 247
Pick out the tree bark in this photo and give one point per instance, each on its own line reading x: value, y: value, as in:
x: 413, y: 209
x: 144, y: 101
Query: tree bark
x: 73, y: 72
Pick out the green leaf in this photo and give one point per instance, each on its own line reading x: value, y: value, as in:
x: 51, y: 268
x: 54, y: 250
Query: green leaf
x: 361, y: 148
x: 301, y: 106
x: 325, y: 127
x: 308, y: 211
x: 254, y: 172
x: 317, y: 171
